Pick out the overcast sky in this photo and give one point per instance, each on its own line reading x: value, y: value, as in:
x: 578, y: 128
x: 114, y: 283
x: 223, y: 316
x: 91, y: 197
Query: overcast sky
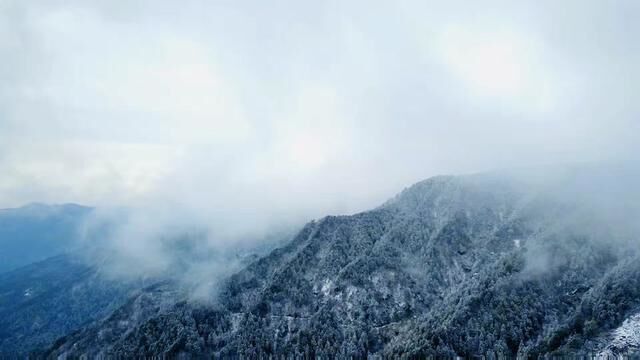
x: 268, y: 110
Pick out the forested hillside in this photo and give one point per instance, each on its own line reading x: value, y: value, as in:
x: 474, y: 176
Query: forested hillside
x: 476, y: 265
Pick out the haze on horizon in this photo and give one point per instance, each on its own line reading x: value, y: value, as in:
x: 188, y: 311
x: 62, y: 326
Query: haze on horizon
x: 220, y: 112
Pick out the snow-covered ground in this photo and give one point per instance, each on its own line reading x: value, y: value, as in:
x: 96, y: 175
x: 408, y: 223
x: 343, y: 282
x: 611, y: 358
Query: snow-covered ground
x: 625, y: 338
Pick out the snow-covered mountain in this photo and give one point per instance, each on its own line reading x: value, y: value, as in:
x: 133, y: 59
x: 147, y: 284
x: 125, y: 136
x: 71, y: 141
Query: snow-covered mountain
x: 493, y: 264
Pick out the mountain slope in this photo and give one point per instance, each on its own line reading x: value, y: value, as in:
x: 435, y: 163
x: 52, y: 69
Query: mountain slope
x: 464, y: 266
x: 42, y: 301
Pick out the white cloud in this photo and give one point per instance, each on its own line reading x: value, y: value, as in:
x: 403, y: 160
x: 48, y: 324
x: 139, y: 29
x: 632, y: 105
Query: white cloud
x: 237, y: 113
x: 89, y: 173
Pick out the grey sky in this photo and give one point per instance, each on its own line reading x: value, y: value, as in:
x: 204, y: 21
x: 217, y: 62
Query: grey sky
x: 268, y: 110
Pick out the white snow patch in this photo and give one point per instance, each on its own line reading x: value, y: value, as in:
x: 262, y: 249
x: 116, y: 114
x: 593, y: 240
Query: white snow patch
x: 628, y: 333
x: 326, y: 287
x: 236, y: 318
x: 624, y: 338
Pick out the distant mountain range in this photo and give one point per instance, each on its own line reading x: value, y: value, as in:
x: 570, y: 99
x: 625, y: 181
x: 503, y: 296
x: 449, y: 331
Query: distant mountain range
x: 529, y: 264
x: 35, y: 232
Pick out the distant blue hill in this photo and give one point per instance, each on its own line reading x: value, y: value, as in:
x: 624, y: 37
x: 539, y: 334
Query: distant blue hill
x: 37, y: 231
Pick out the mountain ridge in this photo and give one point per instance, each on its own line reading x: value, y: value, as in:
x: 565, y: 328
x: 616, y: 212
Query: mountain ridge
x: 491, y: 264
x: 37, y: 231
x: 386, y: 282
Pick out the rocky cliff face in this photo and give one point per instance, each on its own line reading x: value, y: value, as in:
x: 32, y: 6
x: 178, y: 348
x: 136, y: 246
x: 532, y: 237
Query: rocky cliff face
x: 477, y: 265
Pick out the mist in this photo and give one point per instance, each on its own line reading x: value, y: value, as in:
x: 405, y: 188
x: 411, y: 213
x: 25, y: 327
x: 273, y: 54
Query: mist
x: 240, y: 121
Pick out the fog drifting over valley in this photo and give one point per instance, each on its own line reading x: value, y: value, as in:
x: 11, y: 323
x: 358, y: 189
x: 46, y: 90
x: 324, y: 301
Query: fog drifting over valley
x: 238, y: 118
